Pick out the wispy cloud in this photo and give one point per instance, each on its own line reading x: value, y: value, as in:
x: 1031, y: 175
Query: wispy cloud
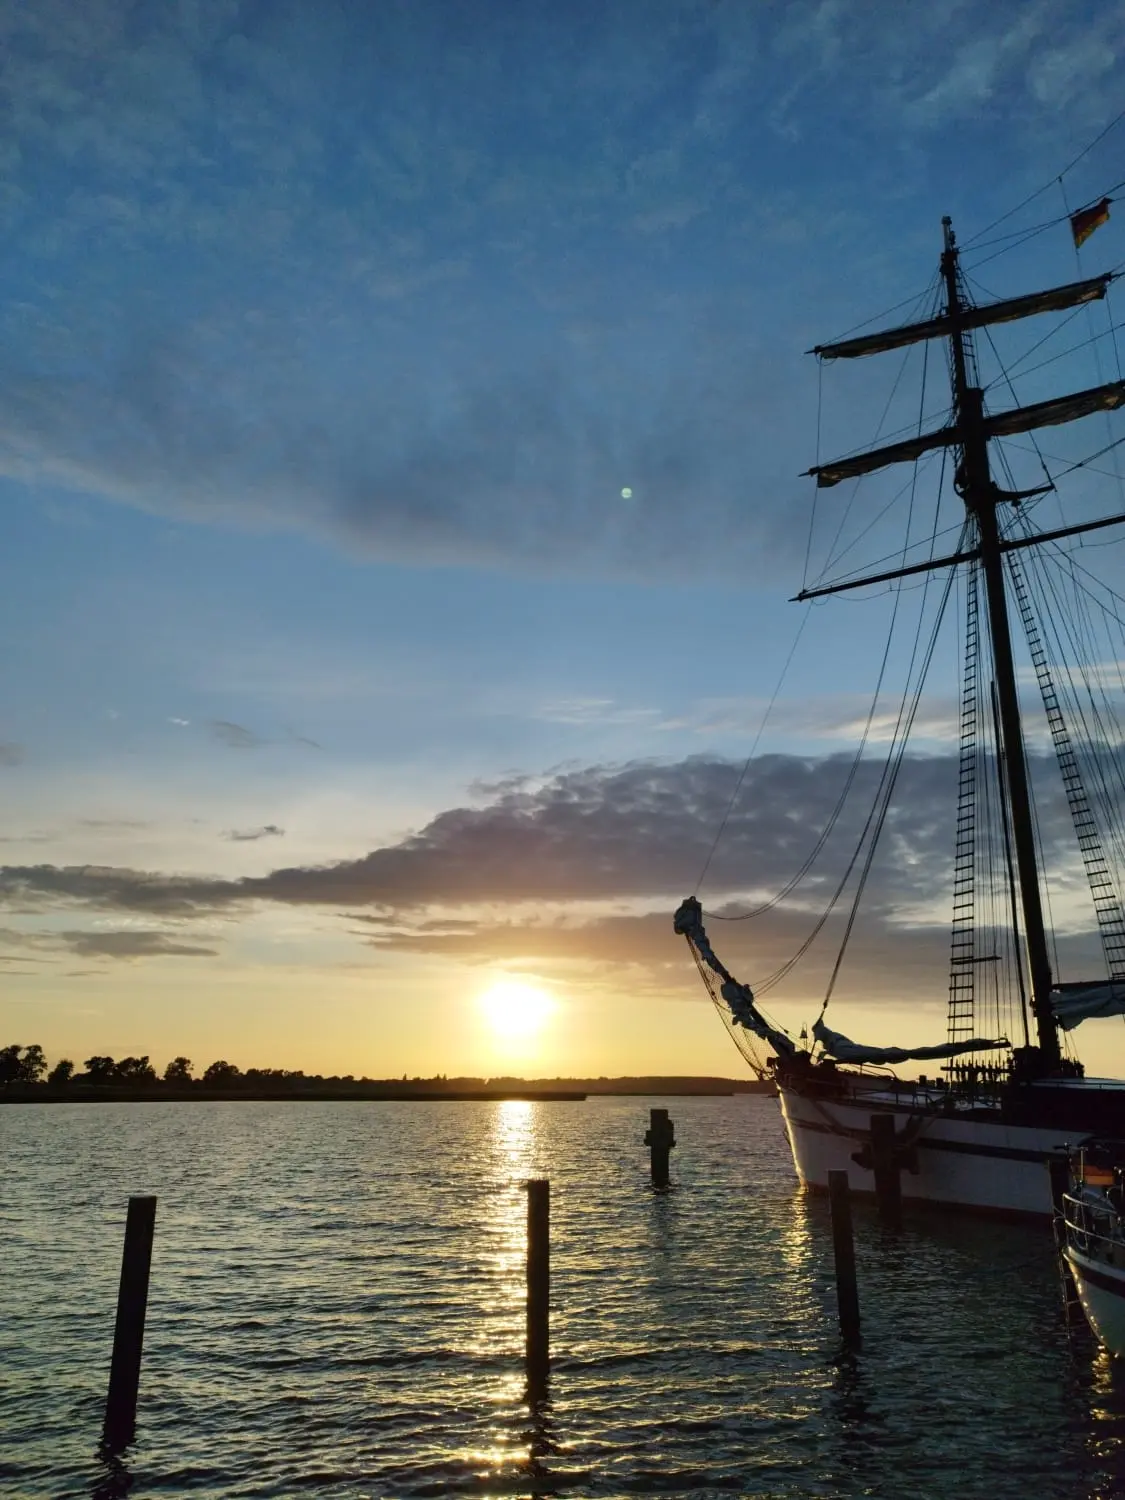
x: 11, y: 754
x: 249, y: 835
x: 235, y: 735
x: 131, y: 944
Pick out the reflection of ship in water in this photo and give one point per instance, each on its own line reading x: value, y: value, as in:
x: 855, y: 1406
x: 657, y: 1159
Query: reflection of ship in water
x: 1093, y: 1226
x: 980, y: 1136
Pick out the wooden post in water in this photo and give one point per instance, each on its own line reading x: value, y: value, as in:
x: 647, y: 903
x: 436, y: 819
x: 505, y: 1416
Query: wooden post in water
x: 886, y: 1166
x: 660, y: 1137
x: 843, y: 1247
x: 129, y: 1331
x: 538, y: 1286
x: 1058, y: 1167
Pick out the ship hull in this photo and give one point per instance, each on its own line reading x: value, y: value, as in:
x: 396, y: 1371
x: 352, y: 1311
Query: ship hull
x: 976, y: 1159
x: 1101, y: 1290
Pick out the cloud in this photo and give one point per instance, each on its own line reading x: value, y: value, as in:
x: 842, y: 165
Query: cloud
x: 637, y: 832
x: 131, y: 944
x: 234, y: 735
x: 500, y: 325
x: 249, y: 835
x: 11, y: 754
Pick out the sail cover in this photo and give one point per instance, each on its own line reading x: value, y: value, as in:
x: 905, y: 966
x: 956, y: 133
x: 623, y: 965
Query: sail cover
x: 843, y: 1050
x: 1075, y: 1003
x: 739, y: 998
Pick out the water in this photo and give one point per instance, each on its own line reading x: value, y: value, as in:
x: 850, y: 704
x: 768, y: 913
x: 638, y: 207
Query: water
x: 337, y: 1309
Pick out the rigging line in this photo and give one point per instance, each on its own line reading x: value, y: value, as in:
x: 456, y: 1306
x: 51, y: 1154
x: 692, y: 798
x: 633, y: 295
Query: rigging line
x: 1075, y: 625
x: 753, y: 748
x: 1038, y: 193
x: 792, y: 962
x: 832, y: 554
x: 816, y: 488
x: 1093, y: 774
x: 834, y: 816
x: 915, y: 301
x: 1015, y: 398
x: 893, y: 778
x: 1082, y: 463
x: 1030, y: 235
x: 1070, y: 348
x: 875, y: 699
x: 1073, y: 562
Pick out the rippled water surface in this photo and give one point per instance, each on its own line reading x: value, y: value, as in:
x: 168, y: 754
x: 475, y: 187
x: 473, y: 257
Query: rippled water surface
x: 337, y: 1309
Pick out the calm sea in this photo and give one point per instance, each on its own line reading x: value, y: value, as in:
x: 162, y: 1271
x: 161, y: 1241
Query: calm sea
x: 337, y: 1310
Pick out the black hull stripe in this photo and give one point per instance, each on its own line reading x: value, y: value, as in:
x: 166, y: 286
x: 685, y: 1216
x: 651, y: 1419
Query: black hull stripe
x: 959, y: 1148
x: 1085, y: 1272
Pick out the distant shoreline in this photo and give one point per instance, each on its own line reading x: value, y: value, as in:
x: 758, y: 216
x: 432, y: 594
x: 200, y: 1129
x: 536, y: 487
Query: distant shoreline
x: 423, y: 1091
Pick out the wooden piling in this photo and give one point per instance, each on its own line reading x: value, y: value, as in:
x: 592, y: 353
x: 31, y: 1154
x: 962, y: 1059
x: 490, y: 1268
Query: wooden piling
x: 129, y: 1330
x: 843, y: 1247
x: 538, y: 1286
x: 1058, y: 1168
x: 886, y: 1166
x: 660, y: 1137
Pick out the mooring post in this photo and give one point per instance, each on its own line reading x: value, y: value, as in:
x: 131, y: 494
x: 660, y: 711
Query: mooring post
x: 129, y: 1330
x: 660, y: 1137
x: 538, y: 1286
x: 843, y: 1248
x: 1058, y: 1167
x: 886, y: 1166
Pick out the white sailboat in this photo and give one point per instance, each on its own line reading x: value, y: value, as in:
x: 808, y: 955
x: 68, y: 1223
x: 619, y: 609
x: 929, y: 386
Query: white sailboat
x: 984, y: 1135
x: 1093, y: 1238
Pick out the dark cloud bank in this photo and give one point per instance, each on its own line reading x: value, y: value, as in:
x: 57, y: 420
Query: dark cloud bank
x: 625, y: 837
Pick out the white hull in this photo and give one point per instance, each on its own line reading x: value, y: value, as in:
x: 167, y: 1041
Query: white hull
x: 976, y: 1164
x: 1101, y: 1290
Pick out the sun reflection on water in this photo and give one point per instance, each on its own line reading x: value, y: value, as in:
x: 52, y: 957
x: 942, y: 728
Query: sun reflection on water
x: 510, y: 1158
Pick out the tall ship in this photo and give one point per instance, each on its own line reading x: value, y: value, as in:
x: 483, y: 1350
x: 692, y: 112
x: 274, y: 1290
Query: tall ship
x: 982, y: 1127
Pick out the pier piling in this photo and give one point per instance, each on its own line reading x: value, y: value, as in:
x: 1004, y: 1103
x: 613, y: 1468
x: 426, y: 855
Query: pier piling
x: 538, y: 1286
x: 129, y: 1330
x: 886, y: 1166
x: 843, y: 1246
x: 660, y: 1137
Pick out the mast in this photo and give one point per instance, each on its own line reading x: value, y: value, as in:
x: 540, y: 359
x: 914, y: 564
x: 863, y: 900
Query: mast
x: 981, y: 497
x: 969, y: 432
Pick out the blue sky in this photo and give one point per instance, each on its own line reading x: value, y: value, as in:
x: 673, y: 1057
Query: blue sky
x: 332, y: 337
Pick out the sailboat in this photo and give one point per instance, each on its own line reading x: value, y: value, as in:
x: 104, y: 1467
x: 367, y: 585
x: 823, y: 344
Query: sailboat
x: 985, y: 1132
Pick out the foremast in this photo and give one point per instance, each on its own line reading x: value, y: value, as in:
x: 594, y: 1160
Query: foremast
x: 969, y: 434
x: 975, y: 485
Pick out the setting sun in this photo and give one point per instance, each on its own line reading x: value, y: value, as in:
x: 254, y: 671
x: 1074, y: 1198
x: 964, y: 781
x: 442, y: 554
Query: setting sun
x: 515, y: 1009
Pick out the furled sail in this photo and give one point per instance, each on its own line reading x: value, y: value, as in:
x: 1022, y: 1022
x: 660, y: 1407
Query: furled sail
x: 1058, y: 299
x: 1002, y: 424
x: 837, y: 1045
x: 1075, y: 1003
x: 739, y: 998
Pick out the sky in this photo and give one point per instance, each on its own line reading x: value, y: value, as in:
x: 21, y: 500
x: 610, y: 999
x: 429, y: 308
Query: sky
x: 403, y: 409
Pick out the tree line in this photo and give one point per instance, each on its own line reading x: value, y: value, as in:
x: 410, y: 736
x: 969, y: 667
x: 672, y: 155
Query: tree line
x: 28, y: 1065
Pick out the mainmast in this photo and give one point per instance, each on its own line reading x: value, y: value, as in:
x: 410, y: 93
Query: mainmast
x: 969, y: 433
x: 981, y: 496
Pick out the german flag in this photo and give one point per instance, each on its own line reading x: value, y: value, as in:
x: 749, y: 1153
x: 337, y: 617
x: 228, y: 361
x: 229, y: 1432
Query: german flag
x: 1086, y: 220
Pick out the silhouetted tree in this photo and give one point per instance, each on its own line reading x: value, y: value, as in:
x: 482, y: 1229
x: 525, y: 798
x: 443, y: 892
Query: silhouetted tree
x: 134, y: 1070
x: 221, y: 1074
x: 178, y: 1070
x: 100, y: 1069
x: 33, y: 1065
x: 61, y: 1073
x: 10, y: 1063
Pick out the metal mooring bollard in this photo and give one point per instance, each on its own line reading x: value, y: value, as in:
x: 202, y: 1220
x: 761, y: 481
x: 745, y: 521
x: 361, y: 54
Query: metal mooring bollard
x: 129, y: 1330
x: 660, y: 1137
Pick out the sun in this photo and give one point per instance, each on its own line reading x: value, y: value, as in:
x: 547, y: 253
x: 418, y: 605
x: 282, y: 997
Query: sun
x: 515, y: 1009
